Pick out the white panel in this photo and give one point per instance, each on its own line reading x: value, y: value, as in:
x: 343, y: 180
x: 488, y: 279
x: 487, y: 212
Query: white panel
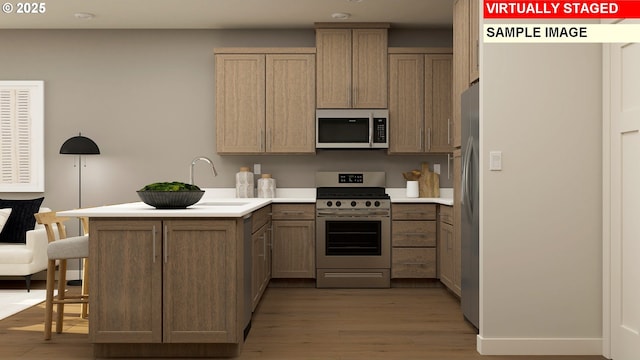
x: 630, y: 249
x: 21, y: 136
x: 631, y: 79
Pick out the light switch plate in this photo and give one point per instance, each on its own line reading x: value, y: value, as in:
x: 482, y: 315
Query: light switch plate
x: 436, y: 168
x: 257, y: 169
x: 495, y: 160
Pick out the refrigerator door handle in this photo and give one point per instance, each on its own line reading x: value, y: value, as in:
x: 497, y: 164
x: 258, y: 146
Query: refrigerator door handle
x: 464, y: 198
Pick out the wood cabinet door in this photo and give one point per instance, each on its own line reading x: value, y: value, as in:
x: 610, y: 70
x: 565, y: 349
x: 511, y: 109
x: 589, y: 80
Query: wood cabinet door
x: 290, y: 103
x: 260, y: 272
x: 200, y: 288
x: 125, y: 281
x: 369, y: 89
x: 438, y: 107
x: 333, y: 68
x: 460, y: 61
x: 406, y: 103
x: 294, y: 249
x: 474, y: 40
x: 446, y: 254
x: 240, y: 103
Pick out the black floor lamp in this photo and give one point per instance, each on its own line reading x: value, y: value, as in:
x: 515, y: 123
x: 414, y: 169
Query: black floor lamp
x: 79, y: 145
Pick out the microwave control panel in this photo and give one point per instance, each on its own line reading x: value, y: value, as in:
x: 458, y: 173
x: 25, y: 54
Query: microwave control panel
x: 379, y: 130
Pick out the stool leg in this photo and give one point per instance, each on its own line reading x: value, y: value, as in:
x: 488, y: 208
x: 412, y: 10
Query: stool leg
x: 48, y: 308
x: 85, y: 288
x: 62, y: 283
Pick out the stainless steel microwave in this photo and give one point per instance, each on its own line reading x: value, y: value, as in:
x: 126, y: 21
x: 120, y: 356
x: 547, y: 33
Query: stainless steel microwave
x: 352, y: 129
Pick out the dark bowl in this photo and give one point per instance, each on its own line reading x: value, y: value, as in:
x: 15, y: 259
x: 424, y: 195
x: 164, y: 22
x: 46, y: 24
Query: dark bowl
x: 170, y: 199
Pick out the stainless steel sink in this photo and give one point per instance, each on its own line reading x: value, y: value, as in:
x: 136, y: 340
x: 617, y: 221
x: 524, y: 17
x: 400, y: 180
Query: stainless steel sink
x: 222, y: 203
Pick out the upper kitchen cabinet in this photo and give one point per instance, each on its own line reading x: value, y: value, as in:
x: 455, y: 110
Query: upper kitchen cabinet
x: 291, y: 85
x: 420, y: 109
x: 466, y: 59
x: 474, y: 40
x: 352, y: 65
x: 240, y: 103
x: 265, y: 100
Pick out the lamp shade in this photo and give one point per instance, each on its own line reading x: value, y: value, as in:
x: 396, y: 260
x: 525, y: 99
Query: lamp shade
x: 79, y: 145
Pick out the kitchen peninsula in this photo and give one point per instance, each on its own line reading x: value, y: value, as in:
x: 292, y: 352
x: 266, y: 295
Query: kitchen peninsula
x: 178, y: 283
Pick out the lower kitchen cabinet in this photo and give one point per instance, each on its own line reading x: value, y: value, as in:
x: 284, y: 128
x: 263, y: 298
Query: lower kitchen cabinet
x: 164, y: 281
x: 260, y: 254
x: 413, y: 241
x: 449, y: 250
x: 293, y: 241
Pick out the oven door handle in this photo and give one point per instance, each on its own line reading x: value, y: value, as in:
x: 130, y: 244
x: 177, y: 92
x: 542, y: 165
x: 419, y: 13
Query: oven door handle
x: 352, y: 214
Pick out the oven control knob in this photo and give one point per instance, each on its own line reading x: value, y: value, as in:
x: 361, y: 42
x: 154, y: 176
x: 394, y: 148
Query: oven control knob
x: 353, y: 204
x: 368, y: 203
x: 329, y: 203
x: 338, y: 203
x: 376, y: 204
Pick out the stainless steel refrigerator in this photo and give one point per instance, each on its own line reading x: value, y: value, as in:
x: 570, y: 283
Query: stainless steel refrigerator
x: 470, y: 249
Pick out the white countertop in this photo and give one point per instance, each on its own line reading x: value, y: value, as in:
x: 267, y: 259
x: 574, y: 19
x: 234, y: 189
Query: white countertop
x: 221, y: 202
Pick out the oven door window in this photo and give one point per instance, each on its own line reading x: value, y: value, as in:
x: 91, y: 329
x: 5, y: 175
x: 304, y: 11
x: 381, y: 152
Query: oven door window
x: 343, y: 130
x: 353, y: 238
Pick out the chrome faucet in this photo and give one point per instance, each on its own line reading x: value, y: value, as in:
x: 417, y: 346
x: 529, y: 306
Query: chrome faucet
x: 193, y: 163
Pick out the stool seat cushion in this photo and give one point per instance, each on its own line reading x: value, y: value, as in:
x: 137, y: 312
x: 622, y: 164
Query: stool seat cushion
x: 70, y: 248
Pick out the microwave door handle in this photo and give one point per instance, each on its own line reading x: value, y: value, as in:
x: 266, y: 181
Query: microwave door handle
x: 371, y: 129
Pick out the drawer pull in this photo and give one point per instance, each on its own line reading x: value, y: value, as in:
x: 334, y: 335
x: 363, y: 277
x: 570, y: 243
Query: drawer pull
x: 414, y: 263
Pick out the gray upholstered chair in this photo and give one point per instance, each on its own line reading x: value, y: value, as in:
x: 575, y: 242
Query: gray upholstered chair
x: 60, y: 249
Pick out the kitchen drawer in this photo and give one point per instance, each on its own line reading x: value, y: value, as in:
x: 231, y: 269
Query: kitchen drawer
x: 413, y: 233
x: 293, y: 212
x: 413, y: 211
x: 260, y: 217
x: 446, y: 214
x: 413, y: 263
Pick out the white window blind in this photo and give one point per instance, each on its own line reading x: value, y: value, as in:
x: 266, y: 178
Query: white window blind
x: 21, y: 136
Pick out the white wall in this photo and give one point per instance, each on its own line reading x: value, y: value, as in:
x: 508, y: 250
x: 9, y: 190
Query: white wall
x: 541, y: 257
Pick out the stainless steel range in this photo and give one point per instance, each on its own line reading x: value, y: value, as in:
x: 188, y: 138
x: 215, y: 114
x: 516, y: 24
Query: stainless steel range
x: 353, y: 230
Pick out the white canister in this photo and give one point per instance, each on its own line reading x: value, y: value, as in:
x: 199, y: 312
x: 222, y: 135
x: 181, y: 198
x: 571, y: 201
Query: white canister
x: 266, y: 186
x: 412, y: 189
x: 244, y: 183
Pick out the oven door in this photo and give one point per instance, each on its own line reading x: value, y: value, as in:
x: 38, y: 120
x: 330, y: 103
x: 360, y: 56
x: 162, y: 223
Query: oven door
x: 353, y: 242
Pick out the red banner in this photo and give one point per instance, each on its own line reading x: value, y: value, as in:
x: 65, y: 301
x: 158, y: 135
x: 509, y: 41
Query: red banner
x: 518, y: 9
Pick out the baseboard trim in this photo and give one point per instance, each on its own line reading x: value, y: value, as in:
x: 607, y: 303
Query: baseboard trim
x: 539, y: 346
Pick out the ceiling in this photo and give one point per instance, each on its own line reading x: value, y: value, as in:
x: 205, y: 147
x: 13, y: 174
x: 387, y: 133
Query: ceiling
x: 225, y: 14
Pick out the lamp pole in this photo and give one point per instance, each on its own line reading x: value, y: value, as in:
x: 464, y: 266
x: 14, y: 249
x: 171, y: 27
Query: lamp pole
x: 79, y: 145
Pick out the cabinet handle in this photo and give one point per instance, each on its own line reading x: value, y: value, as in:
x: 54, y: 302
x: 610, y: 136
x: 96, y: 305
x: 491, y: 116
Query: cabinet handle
x: 449, y: 165
x: 154, y: 243
x: 413, y: 234
x: 164, y: 247
x: 261, y: 139
x: 477, y: 55
x: 449, y: 131
x: 264, y: 246
x: 292, y: 212
x: 268, y: 139
x: 429, y: 139
x: 449, y: 245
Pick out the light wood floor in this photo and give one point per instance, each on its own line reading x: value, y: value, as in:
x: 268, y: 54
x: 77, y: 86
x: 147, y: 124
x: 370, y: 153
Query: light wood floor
x: 302, y: 323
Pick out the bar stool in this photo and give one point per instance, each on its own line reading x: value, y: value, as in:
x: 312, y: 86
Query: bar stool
x: 60, y: 248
